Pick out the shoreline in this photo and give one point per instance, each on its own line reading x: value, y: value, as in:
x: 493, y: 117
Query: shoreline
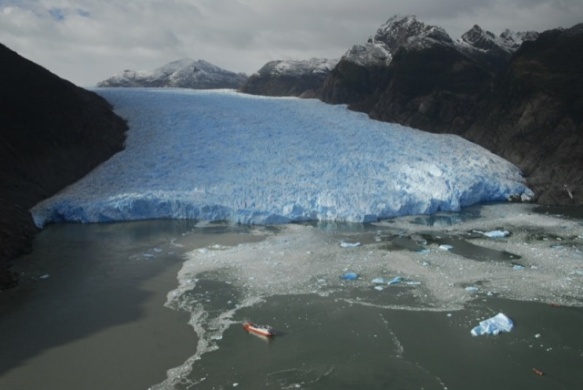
x: 17, y: 231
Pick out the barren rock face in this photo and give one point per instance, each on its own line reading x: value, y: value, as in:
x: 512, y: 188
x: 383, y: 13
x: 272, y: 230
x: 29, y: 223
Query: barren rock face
x: 519, y: 94
x: 534, y: 117
x: 53, y: 133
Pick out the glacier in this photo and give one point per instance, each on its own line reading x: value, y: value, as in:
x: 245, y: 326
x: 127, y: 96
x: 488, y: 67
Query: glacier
x: 222, y: 155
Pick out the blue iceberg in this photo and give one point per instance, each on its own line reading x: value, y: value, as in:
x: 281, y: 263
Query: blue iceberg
x: 349, y: 276
x: 494, y: 325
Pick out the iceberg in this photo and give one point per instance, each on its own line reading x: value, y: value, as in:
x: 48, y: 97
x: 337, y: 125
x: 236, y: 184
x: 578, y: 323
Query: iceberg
x: 222, y: 155
x: 345, y: 244
x: 497, y: 233
x: 494, y: 325
x: 349, y: 276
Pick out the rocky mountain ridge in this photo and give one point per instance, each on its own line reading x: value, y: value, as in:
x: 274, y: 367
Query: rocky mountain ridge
x: 289, y: 77
x: 362, y: 72
x: 512, y: 93
x: 52, y: 134
x: 534, y: 116
x: 183, y: 73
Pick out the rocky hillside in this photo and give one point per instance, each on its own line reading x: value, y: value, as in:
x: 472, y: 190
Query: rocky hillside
x: 416, y: 75
x: 534, y: 117
x: 517, y: 94
x: 185, y: 73
x: 289, y: 78
x: 52, y: 134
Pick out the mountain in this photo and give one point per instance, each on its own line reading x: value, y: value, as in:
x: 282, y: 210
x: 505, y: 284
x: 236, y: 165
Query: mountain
x: 184, y: 73
x: 489, y: 49
x: 518, y: 94
x: 52, y: 133
x: 534, y: 117
x: 289, y: 77
x: 415, y: 74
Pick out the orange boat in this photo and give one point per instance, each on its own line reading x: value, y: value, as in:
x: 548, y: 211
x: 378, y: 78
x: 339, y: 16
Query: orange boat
x: 263, y: 330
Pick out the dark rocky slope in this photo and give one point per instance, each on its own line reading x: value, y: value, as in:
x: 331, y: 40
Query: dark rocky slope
x: 520, y: 100
x: 415, y: 74
x: 534, y: 117
x: 52, y: 133
x: 436, y: 89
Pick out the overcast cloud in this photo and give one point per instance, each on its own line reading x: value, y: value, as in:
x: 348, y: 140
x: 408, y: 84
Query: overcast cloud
x: 86, y: 41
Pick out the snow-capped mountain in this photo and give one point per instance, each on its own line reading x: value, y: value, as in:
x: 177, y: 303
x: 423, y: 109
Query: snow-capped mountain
x: 398, y: 31
x: 450, y: 76
x: 409, y: 31
x: 298, y: 68
x: 491, y: 89
x: 184, y: 73
x: 412, y: 34
x: 515, y: 39
x: 493, y: 50
x: 289, y: 77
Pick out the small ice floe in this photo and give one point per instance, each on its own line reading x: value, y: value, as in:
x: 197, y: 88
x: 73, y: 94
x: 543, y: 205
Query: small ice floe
x: 393, y: 281
x: 497, y: 233
x: 445, y: 247
x: 379, y: 288
x: 518, y: 267
x: 349, y: 276
x: 346, y: 244
x: 494, y: 325
x: 45, y: 276
x: 424, y: 251
x: 472, y: 289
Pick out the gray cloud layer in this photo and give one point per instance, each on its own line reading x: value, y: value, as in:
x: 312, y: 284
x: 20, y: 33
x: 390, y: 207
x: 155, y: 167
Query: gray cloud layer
x: 86, y: 41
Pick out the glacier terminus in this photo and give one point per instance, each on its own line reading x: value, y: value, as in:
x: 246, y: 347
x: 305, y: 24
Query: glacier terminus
x: 222, y: 155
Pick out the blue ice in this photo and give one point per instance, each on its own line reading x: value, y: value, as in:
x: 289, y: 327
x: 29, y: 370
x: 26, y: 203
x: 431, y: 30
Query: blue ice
x: 221, y: 155
x: 494, y: 325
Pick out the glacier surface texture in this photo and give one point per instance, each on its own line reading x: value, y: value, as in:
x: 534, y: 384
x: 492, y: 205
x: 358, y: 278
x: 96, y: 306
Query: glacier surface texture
x: 222, y: 155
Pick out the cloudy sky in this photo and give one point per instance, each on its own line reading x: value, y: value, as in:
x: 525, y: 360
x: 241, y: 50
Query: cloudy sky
x: 86, y: 41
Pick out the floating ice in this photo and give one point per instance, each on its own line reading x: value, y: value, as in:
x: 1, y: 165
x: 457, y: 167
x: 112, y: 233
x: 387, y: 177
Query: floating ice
x: 220, y: 155
x: 494, y: 325
x: 395, y: 280
x: 472, y: 289
x: 345, y: 244
x: 445, y: 247
x: 497, y: 233
x: 349, y: 276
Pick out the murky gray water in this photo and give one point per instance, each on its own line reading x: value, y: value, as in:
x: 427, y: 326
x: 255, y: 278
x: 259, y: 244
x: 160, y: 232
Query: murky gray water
x: 159, y: 304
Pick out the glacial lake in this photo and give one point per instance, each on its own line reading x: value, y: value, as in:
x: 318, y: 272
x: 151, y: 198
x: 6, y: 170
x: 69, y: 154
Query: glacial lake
x: 160, y: 304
